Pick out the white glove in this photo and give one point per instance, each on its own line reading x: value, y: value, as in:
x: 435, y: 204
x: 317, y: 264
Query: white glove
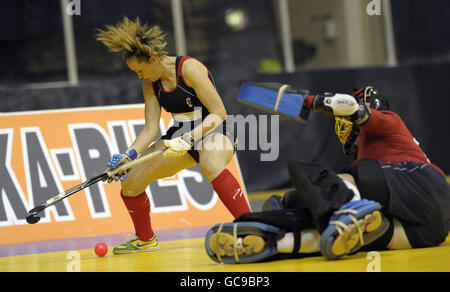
x: 342, y: 104
x: 337, y: 104
x: 178, y: 146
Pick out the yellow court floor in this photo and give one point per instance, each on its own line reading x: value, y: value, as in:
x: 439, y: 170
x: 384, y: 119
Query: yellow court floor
x: 188, y: 255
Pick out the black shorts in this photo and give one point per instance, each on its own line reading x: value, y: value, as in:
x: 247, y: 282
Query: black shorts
x: 179, y: 128
x: 416, y: 194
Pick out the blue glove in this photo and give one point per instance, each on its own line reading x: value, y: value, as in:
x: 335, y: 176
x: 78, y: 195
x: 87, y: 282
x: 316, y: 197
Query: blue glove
x: 119, y: 159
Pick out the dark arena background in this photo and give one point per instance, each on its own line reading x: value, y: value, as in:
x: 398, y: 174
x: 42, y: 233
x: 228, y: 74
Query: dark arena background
x: 54, y: 73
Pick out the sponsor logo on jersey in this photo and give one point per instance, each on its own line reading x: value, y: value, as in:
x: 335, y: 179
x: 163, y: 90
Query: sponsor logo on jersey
x: 189, y: 102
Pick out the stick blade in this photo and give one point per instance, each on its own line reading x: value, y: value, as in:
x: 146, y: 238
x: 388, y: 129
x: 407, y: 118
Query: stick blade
x: 32, y: 219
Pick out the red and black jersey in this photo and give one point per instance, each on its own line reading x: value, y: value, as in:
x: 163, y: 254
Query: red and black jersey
x: 182, y: 98
x: 386, y: 138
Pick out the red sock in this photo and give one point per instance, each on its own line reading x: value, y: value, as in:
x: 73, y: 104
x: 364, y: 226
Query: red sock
x: 231, y: 194
x: 139, y: 210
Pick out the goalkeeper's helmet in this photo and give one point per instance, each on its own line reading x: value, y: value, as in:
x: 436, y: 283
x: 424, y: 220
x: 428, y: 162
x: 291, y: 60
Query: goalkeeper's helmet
x: 346, y: 130
x: 372, y: 98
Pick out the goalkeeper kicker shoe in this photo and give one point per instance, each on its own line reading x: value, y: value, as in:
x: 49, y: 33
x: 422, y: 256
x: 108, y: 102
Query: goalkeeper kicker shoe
x: 354, y: 225
x: 134, y: 244
x: 243, y: 242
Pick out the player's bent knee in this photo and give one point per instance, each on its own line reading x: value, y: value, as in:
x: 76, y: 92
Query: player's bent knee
x: 211, y: 168
x: 211, y: 172
x: 130, y: 189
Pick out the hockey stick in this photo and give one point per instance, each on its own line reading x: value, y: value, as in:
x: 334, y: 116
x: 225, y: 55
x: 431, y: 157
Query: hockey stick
x: 33, y: 219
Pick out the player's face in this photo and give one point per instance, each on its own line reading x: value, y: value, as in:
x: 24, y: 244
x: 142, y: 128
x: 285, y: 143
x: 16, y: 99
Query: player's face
x: 144, y: 69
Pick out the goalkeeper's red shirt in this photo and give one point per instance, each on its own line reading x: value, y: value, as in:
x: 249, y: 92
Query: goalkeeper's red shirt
x: 386, y: 138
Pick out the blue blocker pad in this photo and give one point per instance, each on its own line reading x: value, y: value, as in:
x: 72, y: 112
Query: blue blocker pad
x: 275, y: 98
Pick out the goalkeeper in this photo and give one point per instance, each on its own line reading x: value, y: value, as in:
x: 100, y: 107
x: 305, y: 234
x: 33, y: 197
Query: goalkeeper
x: 392, y: 197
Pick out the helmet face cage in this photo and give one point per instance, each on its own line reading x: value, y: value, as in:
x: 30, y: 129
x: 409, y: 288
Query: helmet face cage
x: 343, y: 127
x: 347, y: 134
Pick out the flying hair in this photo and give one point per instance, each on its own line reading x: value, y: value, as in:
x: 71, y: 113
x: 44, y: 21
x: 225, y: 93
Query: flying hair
x: 134, y: 39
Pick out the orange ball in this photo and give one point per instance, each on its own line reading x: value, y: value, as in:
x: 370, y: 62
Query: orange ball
x: 101, y: 249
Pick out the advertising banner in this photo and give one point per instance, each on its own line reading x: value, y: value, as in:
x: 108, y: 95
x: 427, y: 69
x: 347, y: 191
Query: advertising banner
x: 44, y: 153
